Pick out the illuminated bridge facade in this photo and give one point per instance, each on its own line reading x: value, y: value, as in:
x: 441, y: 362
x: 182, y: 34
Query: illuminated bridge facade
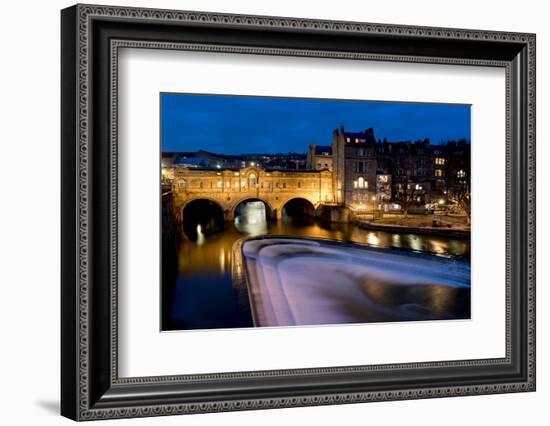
x: 229, y: 188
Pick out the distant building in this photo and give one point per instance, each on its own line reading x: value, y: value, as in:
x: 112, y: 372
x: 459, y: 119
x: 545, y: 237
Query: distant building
x: 319, y: 157
x: 355, y: 167
x: 284, y: 161
x: 369, y: 173
x: 364, y: 173
x: 208, y: 160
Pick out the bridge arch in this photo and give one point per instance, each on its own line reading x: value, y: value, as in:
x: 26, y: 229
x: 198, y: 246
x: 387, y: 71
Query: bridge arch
x: 267, y: 204
x: 251, y: 215
x: 297, y: 209
x: 201, y: 217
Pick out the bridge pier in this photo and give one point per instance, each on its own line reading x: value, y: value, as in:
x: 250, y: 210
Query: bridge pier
x: 334, y: 214
x: 228, y: 215
x: 275, y: 196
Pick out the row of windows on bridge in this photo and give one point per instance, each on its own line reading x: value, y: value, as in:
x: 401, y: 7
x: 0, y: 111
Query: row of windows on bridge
x: 251, y: 183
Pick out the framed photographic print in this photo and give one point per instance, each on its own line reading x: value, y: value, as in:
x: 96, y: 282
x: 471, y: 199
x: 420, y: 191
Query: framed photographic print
x: 263, y: 212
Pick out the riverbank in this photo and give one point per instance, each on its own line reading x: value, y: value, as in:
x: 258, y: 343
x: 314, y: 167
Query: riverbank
x: 447, y: 226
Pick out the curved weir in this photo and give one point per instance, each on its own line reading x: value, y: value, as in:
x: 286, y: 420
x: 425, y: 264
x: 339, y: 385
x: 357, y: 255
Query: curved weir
x: 310, y: 282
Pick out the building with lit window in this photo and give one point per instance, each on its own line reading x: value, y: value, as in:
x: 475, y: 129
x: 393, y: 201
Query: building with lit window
x: 370, y: 173
x: 319, y: 157
x: 354, y: 168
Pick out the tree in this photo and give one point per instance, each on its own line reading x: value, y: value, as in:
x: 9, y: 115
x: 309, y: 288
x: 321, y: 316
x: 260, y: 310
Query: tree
x: 458, y: 175
x: 459, y: 193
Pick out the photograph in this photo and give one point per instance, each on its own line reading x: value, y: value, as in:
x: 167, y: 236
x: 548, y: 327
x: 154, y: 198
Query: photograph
x: 280, y: 211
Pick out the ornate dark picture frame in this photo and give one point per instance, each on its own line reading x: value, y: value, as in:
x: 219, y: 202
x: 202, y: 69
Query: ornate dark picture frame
x: 91, y: 37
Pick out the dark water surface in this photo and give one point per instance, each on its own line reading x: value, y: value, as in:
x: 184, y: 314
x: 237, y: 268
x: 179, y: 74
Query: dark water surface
x: 203, y: 297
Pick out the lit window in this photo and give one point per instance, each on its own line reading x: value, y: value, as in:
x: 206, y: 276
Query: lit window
x: 439, y: 172
x: 440, y: 161
x: 362, y: 183
x: 461, y: 173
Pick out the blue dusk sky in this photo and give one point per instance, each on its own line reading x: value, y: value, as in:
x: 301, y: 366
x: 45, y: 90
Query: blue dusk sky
x: 243, y: 124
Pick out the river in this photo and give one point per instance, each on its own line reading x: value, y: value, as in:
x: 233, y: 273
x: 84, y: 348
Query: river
x: 202, y: 296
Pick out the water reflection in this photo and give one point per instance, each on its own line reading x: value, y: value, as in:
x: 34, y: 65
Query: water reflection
x: 200, y: 236
x: 373, y: 239
x: 203, y: 295
x: 396, y: 240
x: 251, y: 218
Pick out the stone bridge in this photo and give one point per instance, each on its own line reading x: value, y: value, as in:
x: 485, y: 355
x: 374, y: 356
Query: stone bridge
x: 229, y: 188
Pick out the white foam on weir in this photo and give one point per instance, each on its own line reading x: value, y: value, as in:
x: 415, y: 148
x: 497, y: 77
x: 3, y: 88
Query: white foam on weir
x: 306, y: 282
x: 263, y: 297
x: 252, y: 247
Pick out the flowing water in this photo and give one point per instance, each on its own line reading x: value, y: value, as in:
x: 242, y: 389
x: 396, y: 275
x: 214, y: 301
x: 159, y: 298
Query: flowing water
x: 203, y: 297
